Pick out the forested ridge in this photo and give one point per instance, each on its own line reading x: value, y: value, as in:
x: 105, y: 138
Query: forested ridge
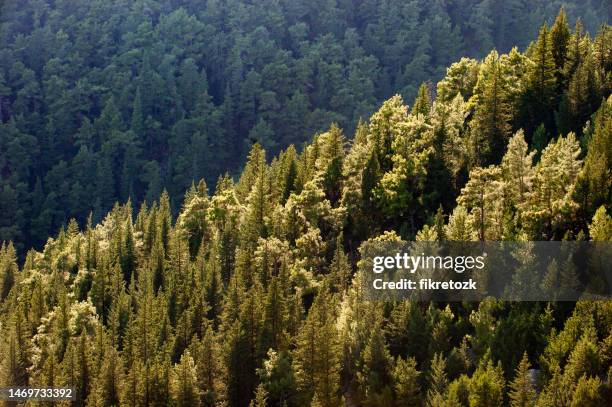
x: 106, y: 100
x: 250, y: 294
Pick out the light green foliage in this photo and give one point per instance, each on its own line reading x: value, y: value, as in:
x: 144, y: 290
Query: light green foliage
x: 184, y: 382
x: 448, y: 121
x: 460, y: 79
x: 487, y: 385
x: 601, y: 227
x: 517, y: 170
x: 438, y: 380
x: 522, y: 392
x: 406, y: 378
x: 460, y: 226
x: 317, y: 353
x: 553, y: 185
x: 483, y: 195
x: 248, y: 292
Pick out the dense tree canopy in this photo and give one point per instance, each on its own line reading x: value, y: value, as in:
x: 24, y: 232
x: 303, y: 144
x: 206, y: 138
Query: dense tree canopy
x: 106, y: 100
x: 250, y: 294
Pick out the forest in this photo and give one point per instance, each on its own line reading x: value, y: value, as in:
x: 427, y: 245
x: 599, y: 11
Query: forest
x: 110, y: 100
x: 246, y: 292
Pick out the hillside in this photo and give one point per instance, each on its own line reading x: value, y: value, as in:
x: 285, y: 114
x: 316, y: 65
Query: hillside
x: 250, y: 293
x: 105, y: 100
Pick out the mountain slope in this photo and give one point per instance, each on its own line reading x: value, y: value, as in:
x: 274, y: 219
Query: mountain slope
x: 109, y: 100
x: 250, y: 294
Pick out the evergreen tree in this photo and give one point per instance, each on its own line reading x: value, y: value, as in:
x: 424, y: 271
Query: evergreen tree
x: 541, y: 82
x: 482, y: 194
x: 377, y: 375
x: 553, y: 183
x: 487, y: 385
x: 517, y: 169
x: 594, y: 187
x: 15, y: 359
x: 184, y: 382
x: 559, y: 37
x: 406, y: 378
x: 422, y: 103
x: 438, y: 380
x: 317, y: 354
x: 522, y: 392
x: 490, y: 127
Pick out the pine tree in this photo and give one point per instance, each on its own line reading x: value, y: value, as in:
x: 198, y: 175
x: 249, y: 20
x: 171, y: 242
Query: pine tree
x: 317, y: 354
x: 576, y: 50
x: 128, y: 251
x: 602, y: 55
x: 541, y: 83
x: 261, y: 398
x: 14, y: 349
x: 422, y: 103
x: 583, y: 93
x: 238, y: 381
x: 460, y: 79
x: 76, y: 368
x: 406, y: 378
x: 556, y: 393
x: 459, y: 392
x: 438, y: 380
x: 522, y: 393
x: 334, y: 155
x: 369, y: 180
x: 482, y: 194
x: 460, y: 226
x: 242, y: 357
x: 594, y: 186
x: 600, y: 228
x: 277, y: 379
x: 291, y: 173
x: 407, y: 332
x: 376, y: 377
x: 8, y: 269
x: 559, y: 37
x: 193, y: 219
x: 107, y: 388
x: 143, y: 335
x: 553, y: 184
x: 487, y: 385
x: 588, y: 392
x: 340, y: 269
x: 184, y: 382
x: 449, y: 139
x: 164, y: 217
x: 257, y: 201
x: 490, y: 127
x: 517, y: 169
x: 273, y: 333
x: 213, y: 288
x: 208, y: 363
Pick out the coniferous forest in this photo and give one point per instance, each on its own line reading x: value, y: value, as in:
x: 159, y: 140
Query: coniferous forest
x: 106, y: 100
x: 186, y: 187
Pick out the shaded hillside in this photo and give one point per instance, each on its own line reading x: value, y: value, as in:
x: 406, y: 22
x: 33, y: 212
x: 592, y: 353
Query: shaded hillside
x: 109, y: 100
x: 251, y: 293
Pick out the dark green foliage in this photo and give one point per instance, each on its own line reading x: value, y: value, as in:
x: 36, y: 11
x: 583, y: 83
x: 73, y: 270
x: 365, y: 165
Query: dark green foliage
x: 110, y: 100
x: 247, y: 294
